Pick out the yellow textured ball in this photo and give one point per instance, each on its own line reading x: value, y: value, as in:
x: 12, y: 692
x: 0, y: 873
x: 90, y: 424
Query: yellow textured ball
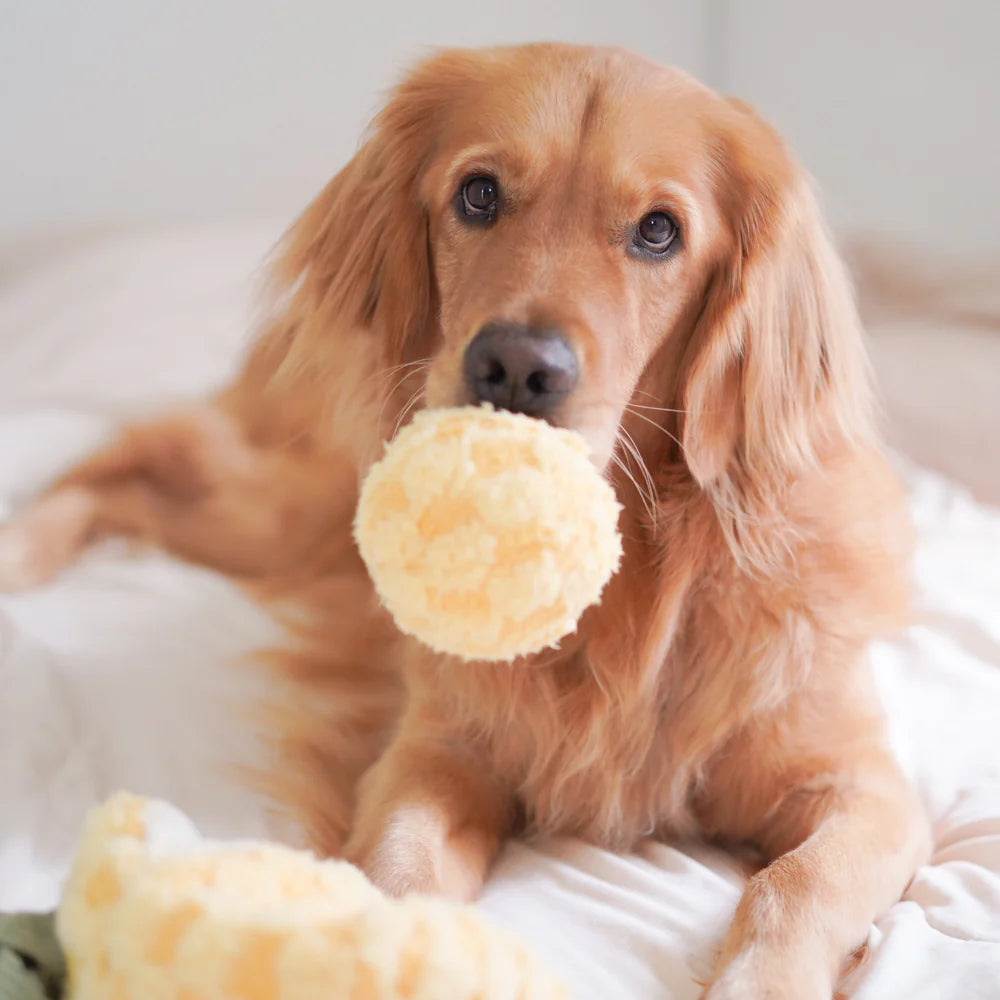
x: 151, y: 911
x: 487, y: 533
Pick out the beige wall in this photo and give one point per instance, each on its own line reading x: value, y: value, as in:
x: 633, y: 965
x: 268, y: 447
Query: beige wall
x: 122, y: 110
x: 893, y: 104
x: 117, y: 111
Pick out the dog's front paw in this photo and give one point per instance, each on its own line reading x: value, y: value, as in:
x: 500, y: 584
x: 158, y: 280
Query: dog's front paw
x: 35, y: 546
x: 23, y: 561
x: 398, y: 857
x: 409, y: 851
x: 761, y: 974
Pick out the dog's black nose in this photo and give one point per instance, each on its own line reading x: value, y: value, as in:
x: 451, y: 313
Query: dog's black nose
x: 520, y: 368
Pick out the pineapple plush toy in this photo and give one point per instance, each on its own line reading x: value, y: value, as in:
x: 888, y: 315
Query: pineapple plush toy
x: 152, y: 911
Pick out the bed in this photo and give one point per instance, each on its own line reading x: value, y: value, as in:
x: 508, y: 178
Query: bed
x: 130, y: 670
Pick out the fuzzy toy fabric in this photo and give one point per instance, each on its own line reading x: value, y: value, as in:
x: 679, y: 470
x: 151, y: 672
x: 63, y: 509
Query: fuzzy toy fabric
x: 152, y: 911
x: 487, y: 533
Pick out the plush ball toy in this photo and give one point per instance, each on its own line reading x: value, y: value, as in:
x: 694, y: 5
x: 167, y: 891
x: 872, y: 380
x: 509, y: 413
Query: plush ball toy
x: 487, y: 533
x: 153, y: 912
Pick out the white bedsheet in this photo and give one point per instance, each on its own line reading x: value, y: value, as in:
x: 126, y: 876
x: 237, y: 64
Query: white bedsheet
x: 126, y: 671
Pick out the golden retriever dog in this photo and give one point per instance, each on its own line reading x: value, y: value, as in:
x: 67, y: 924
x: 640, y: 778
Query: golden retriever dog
x: 601, y: 242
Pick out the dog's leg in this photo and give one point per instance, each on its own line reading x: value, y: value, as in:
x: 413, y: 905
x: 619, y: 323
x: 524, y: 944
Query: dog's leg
x: 845, y: 850
x: 429, y: 819
x: 192, y: 483
x: 45, y: 538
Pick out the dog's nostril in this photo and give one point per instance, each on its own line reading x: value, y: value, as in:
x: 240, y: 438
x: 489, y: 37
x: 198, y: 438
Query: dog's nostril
x: 497, y: 374
x: 536, y: 383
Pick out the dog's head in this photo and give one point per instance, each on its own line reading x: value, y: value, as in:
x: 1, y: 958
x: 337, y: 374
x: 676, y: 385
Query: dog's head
x: 592, y: 238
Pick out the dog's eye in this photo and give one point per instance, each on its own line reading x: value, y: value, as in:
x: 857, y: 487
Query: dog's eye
x: 656, y: 233
x: 479, y: 198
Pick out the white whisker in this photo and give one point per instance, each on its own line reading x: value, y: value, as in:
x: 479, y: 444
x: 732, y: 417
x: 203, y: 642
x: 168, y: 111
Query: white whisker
x: 628, y: 474
x: 659, y: 409
x: 411, y: 403
x: 653, y: 423
x: 395, y: 368
x: 633, y: 449
x: 646, y: 496
x: 392, y: 391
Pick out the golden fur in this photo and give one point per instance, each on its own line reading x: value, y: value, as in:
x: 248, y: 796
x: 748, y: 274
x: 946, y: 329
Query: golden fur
x: 720, y: 688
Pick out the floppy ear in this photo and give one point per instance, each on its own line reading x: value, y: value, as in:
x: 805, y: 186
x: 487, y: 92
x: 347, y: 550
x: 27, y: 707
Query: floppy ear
x: 775, y: 370
x: 357, y: 260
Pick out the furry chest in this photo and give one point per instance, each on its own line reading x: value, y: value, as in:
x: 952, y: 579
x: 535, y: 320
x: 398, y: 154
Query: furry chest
x: 606, y: 776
